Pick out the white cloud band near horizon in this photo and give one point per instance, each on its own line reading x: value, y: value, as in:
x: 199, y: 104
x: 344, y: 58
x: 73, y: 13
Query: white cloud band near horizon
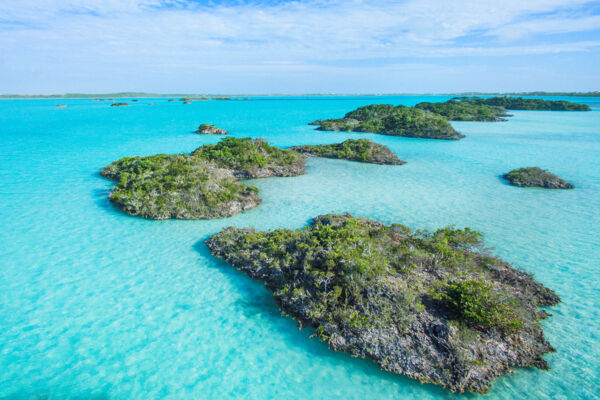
x: 161, y: 45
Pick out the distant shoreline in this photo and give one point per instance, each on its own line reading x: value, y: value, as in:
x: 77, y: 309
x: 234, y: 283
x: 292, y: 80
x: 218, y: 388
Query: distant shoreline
x: 122, y: 95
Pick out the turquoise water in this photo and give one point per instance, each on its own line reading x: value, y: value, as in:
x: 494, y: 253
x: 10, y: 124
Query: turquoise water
x: 97, y: 304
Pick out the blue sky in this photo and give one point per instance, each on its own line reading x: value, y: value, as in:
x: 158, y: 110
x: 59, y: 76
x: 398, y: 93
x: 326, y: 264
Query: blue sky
x: 314, y: 46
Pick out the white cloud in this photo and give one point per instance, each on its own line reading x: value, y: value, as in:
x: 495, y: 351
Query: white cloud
x: 175, y: 35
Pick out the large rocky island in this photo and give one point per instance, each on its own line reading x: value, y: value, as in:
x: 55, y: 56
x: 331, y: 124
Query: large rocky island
x: 431, y: 306
x: 362, y: 150
x: 201, y: 185
x: 392, y: 120
x: 536, y: 177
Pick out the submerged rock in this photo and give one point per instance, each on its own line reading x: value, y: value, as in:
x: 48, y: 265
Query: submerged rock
x: 361, y: 150
x: 395, y: 121
x: 207, y: 129
x: 536, y: 177
x: 431, y: 306
x: 252, y: 158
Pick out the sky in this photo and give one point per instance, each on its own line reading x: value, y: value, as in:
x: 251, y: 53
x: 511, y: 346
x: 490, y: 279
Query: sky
x: 298, y: 47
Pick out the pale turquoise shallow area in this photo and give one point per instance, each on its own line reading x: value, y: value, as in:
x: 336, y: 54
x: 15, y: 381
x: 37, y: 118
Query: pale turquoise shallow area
x: 97, y: 304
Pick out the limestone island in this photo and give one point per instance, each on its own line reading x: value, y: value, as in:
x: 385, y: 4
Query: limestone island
x: 252, y: 158
x: 431, y: 306
x: 207, y: 129
x: 457, y: 110
x: 392, y: 120
x: 199, y: 186
x: 362, y: 150
x: 536, y: 177
x: 119, y: 105
x: 520, y: 103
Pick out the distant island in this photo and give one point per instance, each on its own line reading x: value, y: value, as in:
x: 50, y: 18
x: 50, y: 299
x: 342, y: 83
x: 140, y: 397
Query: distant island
x: 119, y: 105
x: 536, y: 177
x: 203, y: 185
x: 458, y: 110
x: 430, y: 306
x: 520, y: 103
x: 362, y: 150
x: 387, y: 119
x: 207, y: 129
x: 245, y: 95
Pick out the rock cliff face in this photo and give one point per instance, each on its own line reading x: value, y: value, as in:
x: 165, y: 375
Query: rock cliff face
x: 387, y: 119
x: 536, y: 177
x: 361, y: 150
x: 207, y: 129
x: 430, y: 306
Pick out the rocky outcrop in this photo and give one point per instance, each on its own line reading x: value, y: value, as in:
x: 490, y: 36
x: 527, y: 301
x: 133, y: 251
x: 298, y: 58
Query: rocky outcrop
x: 252, y: 158
x: 361, y: 150
x: 536, y: 177
x: 387, y: 119
x: 202, y: 185
x: 177, y: 186
x: 430, y: 306
x: 207, y: 129
x: 119, y: 105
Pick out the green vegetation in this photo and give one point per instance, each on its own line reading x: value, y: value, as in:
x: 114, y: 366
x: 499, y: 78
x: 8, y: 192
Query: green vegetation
x: 208, y: 129
x: 476, y: 303
x: 395, y: 121
x: 456, y: 110
x: 177, y: 186
x: 535, y: 176
x: 202, y: 185
x: 520, y: 103
x: 428, y: 305
x: 361, y: 150
x: 252, y: 158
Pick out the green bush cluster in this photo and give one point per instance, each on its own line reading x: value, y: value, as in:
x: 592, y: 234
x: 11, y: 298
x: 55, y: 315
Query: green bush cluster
x: 353, y: 272
x: 520, y: 103
x: 393, y: 120
x: 477, y: 303
x: 535, y: 176
x: 362, y: 150
x: 246, y: 156
x: 176, y: 186
x: 456, y: 110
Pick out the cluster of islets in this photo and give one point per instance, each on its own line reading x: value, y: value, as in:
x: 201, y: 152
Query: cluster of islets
x: 431, y: 306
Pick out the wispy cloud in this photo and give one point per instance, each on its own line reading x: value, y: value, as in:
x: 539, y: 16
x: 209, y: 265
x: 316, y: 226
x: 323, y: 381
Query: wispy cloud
x: 114, y: 35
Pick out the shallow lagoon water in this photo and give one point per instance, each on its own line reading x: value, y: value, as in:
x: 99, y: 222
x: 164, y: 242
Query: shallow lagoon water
x: 97, y: 304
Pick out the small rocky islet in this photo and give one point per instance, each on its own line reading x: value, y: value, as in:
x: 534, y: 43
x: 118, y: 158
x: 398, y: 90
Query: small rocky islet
x: 432, y: 306
x: 361, y: 150
x: 536, y: 177
x: 208, y: 129
x: 203, y: 185
x: 387, y: 119
x: 119, y: 105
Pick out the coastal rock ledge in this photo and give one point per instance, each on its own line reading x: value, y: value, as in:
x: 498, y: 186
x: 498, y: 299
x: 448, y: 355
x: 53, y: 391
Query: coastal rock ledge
x: 432, y: 306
